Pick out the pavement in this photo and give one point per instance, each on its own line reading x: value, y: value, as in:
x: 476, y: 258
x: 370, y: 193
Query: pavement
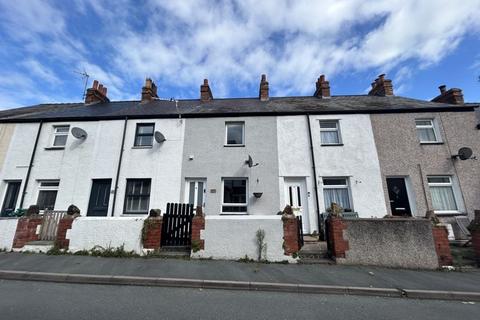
x: 315, y: 278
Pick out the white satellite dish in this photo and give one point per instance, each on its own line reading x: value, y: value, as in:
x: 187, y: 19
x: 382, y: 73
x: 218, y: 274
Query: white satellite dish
x: 79, y: 133
x: 159, y: 137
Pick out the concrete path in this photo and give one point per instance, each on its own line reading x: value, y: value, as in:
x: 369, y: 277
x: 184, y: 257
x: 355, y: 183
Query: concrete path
x: 279, y: 274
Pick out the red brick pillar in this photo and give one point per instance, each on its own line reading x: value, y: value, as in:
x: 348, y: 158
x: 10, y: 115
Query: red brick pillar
x: 474, y: 228
x: 63, y: 225
x: 26, y: 230
x: 337, y: 244
x: 291, y: 243
x: 198, y: 224
x: 152, y: 233
x: 442, y: 246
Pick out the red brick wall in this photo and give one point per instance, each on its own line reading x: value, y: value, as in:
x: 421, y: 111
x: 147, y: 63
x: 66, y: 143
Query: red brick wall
x: 442, y: 246
x: 290, y: 234
x: 337, y: 244
x: 153, y: 233
x: 26, y: 230
x: 63, y: 225
x: 198, y: 224
x: 476, y: 244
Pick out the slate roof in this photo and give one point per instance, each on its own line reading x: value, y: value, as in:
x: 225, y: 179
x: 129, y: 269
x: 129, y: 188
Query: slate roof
x: 226, y: 107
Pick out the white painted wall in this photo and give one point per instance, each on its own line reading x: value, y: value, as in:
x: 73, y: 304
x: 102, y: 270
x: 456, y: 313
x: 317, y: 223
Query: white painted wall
x: 88, y: 232
x: 8, y: 226
x: 234, y: 237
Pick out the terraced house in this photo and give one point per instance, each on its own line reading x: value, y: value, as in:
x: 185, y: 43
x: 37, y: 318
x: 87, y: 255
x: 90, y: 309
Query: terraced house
x: 374, y: 155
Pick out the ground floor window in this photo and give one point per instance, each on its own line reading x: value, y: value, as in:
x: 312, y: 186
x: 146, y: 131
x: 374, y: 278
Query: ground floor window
x: 47, y: 194
x: 234, y: 196
x: 442, y: 192
x: 10, y: 199
x: 336, y: 190
x: 137, y: 196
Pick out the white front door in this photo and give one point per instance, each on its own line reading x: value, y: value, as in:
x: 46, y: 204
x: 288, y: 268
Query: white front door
x: 296, y: 197
x: 195, y: 191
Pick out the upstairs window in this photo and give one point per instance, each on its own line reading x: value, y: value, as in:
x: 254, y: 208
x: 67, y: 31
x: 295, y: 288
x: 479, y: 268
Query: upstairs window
x: 330, y: 132
x: 137, y: 196
x: 47, y: 194
x: 443, y: 195
x: 60, y: 135
x: 336, y: 190
x: 234, y: 196
x: 426, y: 131
x: 144, y: 135
x: 235, y: 134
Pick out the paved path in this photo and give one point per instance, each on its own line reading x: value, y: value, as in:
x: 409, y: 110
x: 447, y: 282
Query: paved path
x: 21, y: 300
x: 357, y: 276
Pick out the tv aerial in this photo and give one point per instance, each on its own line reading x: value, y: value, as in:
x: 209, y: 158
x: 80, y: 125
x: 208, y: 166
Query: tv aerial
x: 79, y: 133
x: 250, y: 163
x: 85, y: 76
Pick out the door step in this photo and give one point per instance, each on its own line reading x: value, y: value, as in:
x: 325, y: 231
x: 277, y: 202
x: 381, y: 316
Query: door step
x: 174, y: 252
x: 37, y: 246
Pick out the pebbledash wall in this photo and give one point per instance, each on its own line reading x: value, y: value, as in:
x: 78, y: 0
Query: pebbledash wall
x: 95, y: 158
x: 396, y: 137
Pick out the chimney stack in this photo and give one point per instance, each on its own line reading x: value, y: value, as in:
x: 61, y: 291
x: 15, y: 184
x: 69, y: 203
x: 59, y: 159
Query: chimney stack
x: 263, y: 92
x: 381, y: 87
x: 452, y: 96
x: 205, y: 92
x: 322, y: 88
x: 97, y: 93
x: 149, y: 91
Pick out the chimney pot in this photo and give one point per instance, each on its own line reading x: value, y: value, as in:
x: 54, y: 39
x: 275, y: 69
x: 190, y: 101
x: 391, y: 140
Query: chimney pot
x: 381, y: 87
x: 97, y: 93
x: 322, y: 88
x: 264, y: 90
x: 205, y: 92
x: 149, y: 90
x: 443, y: 88
x: 95, y: 84
x: 452, y: 96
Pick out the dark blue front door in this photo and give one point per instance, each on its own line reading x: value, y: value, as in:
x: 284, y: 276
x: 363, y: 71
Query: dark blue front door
x: 99, y: 198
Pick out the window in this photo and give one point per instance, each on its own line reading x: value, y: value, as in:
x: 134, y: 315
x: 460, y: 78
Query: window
x: 144, y: 135
x: 10, y: 200
x: 426, y: 130
x: 60, y: 135
x: 47, y: 194
x: 235, y: 133
x: 330, y: 132
x: 443, y: 195
x: 234, y: 196
x: 337, y: 190
x: 137, y: 196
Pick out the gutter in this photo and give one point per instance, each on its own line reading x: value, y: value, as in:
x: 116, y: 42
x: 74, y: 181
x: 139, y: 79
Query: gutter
x: 314, y: 171
x: 31, y: 164
x: 119, y: 166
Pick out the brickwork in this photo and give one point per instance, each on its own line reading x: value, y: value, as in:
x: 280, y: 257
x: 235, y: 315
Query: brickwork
x: 442, y: 246
x: 63, y: 225
x: 337, y: 244
x: 198, y: 224
x: 26, y: 230
x: 476, y: 244
x: 152, y: 233
x: 290, y: 234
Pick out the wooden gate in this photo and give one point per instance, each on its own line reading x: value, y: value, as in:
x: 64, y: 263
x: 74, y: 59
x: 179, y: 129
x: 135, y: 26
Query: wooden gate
x: 48, y: 231
x: 177, y: 225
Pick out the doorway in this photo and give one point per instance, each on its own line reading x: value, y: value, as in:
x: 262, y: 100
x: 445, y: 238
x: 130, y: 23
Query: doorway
x: 99, y: 198
x: 195, y: 192
x: 296, y: 197
x: 398, y: 194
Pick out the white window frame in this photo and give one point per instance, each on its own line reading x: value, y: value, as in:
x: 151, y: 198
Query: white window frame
x: 48, y: 188
x: 226, y: 144
x: 337, y: 129
x: 223, y: 204
x: 432, y: 125
x: 55, y: 134
x: 339, y: 186
x: 450, y: 184
x: 187, y: 191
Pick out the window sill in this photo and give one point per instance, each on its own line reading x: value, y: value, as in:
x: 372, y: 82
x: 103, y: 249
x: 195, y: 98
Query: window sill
x: 234, y: 145
x: 127, y: 214
x: 433, y: 142
x: 142, y: 147
x: 453, y: 213
x: 54, y: 148
x: 234, y: 213
x: 332, y: 145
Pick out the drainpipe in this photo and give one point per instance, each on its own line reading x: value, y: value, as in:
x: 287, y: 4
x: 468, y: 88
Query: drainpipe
x: 31, y: 164
x: 118, y: 167
x: 314, y: 172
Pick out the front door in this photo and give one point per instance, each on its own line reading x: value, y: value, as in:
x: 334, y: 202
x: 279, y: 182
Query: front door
x: 397, y: 192
x: 195, y: 192
x: 10, y: 200
x: 99, y: 198
x: 296, y: 197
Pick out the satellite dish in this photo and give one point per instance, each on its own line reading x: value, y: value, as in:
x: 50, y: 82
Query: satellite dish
x: 79, y: 133
x: 249, y: 162
x: 465, y: 153
x: 159, y: 137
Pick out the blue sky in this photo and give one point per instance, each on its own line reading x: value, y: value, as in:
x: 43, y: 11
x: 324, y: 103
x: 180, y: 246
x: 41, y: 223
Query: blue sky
x: 418, y: 44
